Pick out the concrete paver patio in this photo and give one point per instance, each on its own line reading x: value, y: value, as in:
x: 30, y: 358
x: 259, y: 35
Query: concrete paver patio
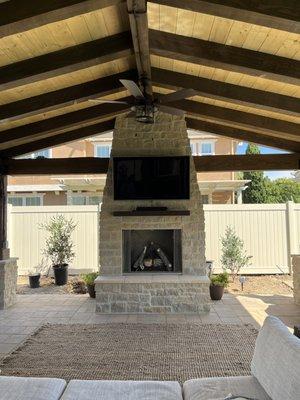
x: 31, y: 311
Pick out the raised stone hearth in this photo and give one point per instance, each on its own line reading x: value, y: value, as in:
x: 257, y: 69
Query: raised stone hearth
x: 183, y: 285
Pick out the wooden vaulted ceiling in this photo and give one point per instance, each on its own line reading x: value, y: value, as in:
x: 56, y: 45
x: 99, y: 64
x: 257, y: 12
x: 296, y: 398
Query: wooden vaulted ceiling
x: 241, y: 57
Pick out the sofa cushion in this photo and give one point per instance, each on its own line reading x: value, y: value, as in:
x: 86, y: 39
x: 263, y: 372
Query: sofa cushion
x: 276, y: 360
x: 219, y: 388
x: 17, y: 388
x: 125, y: 390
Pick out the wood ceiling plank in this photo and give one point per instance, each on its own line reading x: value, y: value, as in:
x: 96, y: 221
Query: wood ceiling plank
x: 280, y: 14
x: 16, y: 16
x: 228, y: 58
x: 67, y: 60
x: 227, y: 92
x: 62, y: 138
x: 243, y: 135
x: 59, y: 123
x: 239, y: 119
x: 64, y: 97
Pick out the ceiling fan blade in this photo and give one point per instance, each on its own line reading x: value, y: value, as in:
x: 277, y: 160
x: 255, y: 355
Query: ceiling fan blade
x: 133, y: 88
x: 108, y: 101
x: 179, y: 95
x: 170, y: 110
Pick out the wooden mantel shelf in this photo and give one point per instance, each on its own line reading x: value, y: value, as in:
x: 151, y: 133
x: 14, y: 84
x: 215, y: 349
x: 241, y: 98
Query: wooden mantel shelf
x: 145, y: 213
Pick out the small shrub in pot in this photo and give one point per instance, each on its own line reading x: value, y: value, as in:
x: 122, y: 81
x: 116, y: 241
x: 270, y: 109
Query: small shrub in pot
x: 59, y: 246
x: 217, y: 285
x: 89, y: 280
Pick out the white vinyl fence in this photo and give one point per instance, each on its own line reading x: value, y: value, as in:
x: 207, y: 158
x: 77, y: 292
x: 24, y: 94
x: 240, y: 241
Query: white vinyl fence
x: 271, y: 232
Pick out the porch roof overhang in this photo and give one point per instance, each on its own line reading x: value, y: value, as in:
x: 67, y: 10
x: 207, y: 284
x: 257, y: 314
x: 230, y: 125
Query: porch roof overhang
x: 241, y: 59
x: 207, y: 187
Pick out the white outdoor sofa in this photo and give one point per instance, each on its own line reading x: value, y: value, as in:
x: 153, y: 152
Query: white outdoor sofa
x: 275, y: 375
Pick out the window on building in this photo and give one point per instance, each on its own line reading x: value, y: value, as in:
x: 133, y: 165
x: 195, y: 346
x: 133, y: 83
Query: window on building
x: 204, y: 148
x: 102, y: 151
x: 25, y: 200
x: 84, y: 200
x: 42, y: 153
x: 207, y: 148
x: 15, y: 201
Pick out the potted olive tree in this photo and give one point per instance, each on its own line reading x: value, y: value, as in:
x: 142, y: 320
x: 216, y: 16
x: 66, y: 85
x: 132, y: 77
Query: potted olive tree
x: 217, y: 285
x: 89, y: 280
x: 59, y: 246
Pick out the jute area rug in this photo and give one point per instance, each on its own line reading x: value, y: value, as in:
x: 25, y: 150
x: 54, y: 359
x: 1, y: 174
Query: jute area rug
x: 134, y: 351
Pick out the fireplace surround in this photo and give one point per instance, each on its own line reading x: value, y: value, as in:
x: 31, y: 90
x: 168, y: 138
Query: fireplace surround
x: 180, y: 284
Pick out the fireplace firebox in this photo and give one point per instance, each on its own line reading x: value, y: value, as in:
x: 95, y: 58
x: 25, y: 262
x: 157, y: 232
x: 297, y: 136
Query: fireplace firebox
x: 154, y: 251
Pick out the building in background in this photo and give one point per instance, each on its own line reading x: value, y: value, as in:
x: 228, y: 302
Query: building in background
x: 216, y: 188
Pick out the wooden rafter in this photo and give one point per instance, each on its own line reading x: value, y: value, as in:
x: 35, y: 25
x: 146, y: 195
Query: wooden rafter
x: 64, y: 97
x: 222, y: 56
x: 236, y: 94
x: 85, y: 165
x: 239, y: 119
x: 62, y: 138
x: 19, y: 16
x: 243, y: 135
x: 41, y: 129
x: 67, y: 60
x: 279, y: 14
x: 137, y: 12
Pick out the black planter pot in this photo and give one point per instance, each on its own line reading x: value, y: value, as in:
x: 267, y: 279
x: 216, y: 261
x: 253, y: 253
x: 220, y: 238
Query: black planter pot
x: 34, y: 281
x: 216, y: 292
x: 60, y: 274
x: 91, y: 290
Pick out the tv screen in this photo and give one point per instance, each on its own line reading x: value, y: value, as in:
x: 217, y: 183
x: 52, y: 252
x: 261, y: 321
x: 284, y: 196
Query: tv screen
x: 149, y: 178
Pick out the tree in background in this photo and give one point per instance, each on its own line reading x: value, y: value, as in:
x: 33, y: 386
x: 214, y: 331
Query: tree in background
x: 283, y: 190
x: 256, y: 191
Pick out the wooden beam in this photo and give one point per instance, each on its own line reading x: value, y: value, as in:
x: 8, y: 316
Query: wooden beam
x: 137, y: 11
x: 65, y: 61
x: 4, y: 251
x: 54, y: 166
x: 235, y: 94
x: 64, y: 97
x: 239, y: 119
x: 230, y: 58
x: 279, y: 14
x: 19, y: 16
x: 85, y: 165
x: 247, y: 162
x: 62, y: 138
x: 52, y: 126
x: 243, y: 135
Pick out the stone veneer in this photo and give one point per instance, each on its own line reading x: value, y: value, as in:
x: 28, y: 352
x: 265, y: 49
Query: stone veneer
x: 296, y: 277
x: 8, y: 282
x: 152, y: 292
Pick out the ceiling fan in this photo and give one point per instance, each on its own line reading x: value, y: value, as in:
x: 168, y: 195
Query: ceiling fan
x: 144, y: 107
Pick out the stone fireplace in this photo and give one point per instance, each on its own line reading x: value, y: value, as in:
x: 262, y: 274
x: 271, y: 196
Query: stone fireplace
x: 152, y: 262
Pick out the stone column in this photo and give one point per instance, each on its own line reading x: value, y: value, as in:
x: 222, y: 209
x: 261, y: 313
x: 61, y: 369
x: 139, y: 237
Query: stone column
x: 296, y: 277
x: 8, y: 266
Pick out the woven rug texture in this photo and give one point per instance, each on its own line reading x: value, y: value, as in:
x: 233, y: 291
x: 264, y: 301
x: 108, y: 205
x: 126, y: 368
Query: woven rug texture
x: 134, y: 352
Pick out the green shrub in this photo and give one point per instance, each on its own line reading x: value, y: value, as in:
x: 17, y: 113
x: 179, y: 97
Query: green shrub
x: 90, y: 278
x: 220, y: 279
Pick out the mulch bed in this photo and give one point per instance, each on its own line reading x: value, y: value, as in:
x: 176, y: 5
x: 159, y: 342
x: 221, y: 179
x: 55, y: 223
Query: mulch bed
x: 134, y: 351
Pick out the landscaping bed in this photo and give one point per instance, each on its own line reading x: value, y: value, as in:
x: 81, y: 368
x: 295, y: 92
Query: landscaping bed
x: 263, y: 284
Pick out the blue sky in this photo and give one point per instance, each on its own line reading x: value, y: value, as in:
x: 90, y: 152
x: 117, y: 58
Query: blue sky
x: 241, y: 149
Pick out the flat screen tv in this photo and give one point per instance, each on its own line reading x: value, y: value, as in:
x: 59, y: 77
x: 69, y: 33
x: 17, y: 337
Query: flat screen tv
x: 151, y: 178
